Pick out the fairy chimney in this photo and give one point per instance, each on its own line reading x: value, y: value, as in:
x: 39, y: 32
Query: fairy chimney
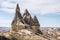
x: 36, y: 25
x: 35, y: 21
x: 25, y: 22
x: 18, y: 21
x: 27, y: 17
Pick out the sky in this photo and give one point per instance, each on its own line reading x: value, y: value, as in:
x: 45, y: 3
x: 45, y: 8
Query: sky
x: 47, y: 11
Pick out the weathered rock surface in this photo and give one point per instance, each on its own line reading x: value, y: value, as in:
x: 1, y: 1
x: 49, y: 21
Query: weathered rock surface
x: 25, y: 22
x: 25, y: 34
x: 36, y: 25
x: 18, y: 22
x: 27, y: 17
x: 35, y: 21
x: 24, y: 26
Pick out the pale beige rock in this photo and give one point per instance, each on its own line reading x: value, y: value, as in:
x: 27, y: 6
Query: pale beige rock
x: 25, y: 34
x: 35, y: 28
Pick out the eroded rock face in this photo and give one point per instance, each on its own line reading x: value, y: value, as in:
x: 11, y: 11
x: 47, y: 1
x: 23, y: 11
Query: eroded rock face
x: 25, y: 34
x: 25, y: 22
x: 35, y: 21
x: 36, y: 25
x: 27, y: 17
x: 18, y: 22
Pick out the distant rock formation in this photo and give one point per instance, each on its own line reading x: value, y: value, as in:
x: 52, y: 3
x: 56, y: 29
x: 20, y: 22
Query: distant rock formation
x: 25, y: 22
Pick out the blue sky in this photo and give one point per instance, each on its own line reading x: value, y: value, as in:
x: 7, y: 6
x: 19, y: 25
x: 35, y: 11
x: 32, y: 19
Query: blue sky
x: 47, y: 11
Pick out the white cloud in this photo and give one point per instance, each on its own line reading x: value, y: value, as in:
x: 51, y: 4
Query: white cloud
x: 6, y: 4
x: 7, y: 10
x: 35, y: 6
x: 42, y: 6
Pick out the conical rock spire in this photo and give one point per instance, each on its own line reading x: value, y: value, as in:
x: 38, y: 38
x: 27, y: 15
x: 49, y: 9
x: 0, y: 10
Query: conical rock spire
x: 35, y: 21
x: 26, y: 12
x: 17, y: 8
x: 18, y: 21
x: 27, y: 17
x: 36, y: 26
x: 18, y: 16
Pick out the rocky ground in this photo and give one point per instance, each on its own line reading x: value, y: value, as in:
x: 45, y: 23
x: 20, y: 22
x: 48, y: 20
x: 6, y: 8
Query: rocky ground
x: 25, y: 34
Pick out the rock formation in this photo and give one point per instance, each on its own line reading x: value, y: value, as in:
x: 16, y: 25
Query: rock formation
x: 18, y: 22
x: 35, y: 21
x: 27, y: 17
x: 36, y: 25
x: 25, y: 22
